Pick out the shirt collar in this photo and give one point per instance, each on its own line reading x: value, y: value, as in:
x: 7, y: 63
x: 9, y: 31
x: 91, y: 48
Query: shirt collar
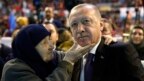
x: 95, y: 47
x: 50, y: 20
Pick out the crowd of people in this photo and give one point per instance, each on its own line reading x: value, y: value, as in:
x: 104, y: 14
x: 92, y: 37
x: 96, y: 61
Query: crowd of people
x: 50, y: 40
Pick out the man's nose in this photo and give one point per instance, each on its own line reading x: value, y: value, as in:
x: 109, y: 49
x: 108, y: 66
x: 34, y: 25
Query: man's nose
x: 81, y: 27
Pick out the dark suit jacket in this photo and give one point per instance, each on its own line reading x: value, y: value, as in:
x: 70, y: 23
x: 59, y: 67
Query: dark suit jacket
x: 115, y: 62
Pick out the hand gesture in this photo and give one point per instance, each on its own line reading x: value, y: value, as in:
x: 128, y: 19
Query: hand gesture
x: 109, y: 39
x: 76, y: 53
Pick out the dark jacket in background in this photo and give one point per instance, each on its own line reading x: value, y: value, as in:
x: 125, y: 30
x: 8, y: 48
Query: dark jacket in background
x: 5, y: 55
x: 140, y: 49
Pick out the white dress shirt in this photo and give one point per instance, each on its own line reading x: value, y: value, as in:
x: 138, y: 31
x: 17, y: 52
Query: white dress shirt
x: 84, y: 61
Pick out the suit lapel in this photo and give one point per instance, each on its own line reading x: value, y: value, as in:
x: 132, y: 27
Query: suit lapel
x: 99, y: 62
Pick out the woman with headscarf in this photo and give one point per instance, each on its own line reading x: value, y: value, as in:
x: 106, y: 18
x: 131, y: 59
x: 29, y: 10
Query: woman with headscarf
x: 35, y: 59
x: 137, y: 40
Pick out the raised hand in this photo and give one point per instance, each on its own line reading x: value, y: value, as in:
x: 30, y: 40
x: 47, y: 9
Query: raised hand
x: 76, y: 53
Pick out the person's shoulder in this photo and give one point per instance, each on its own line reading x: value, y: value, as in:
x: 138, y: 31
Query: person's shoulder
x: 120, y: 44
x: 18, y: 70
x: 15, y: 64
x: 117, y: 44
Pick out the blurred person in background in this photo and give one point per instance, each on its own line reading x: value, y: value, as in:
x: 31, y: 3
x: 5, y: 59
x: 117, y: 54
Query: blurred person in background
x: 21, y: 22
x: 49, y: 17
x: 137, y: 40
x: 108, y: 31
x: 126, y: 31
x: 65, y: 40
x: 5, y: 55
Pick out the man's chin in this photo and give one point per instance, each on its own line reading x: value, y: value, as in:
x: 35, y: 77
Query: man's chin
x: 82, y: 45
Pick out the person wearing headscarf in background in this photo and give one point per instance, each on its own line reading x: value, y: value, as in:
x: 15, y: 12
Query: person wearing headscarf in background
x: 35, y: 59
x: 137, y: 40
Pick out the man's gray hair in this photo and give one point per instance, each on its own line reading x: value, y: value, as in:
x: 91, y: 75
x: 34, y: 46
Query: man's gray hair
x: 97, y: 12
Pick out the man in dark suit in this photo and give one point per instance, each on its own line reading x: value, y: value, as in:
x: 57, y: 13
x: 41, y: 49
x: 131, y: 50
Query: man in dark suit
x: 49, y: 17
x: 114, y: 62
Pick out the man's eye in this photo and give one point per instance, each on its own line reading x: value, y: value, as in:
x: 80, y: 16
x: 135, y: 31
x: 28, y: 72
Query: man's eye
x: 74, y: 24
x: 86, y: 21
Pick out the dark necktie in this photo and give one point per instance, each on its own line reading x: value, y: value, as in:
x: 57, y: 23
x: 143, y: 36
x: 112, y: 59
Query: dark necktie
x: 89, y: 67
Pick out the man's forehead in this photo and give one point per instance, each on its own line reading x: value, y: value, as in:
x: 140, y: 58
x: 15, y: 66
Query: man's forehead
x: 48, y: 9
x: 83, y: 6
x: 82, y: 9
x: 83, y: 16
x: 81, y: 12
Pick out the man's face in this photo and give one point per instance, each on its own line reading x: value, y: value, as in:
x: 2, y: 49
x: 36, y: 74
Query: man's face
x: 49, y: 13
x: 85, y: 26
x: 137, y: 36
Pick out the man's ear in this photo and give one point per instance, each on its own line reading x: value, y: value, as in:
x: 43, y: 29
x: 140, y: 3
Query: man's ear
x: 71, y: 31
x: 101, y: 25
